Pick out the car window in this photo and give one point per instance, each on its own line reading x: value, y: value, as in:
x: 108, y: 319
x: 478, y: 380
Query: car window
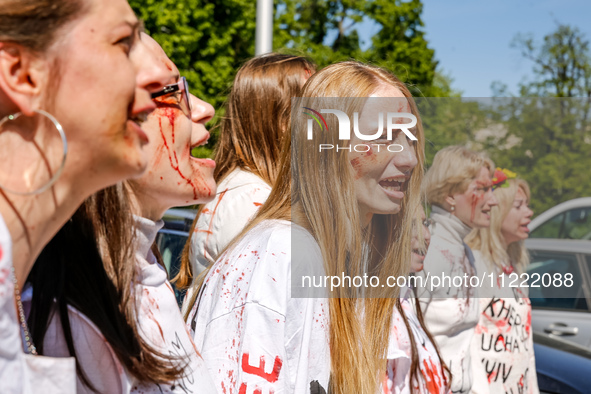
x: 171, y: 244
x: 572, y: 224
x: 556, y: 281
x: 577, y: 224
x: 549, y: 229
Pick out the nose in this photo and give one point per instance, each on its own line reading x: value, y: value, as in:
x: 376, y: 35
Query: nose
x: 152, y: 74
x: 405, y: 160
x: 201, y: 112
x: 530, y: 213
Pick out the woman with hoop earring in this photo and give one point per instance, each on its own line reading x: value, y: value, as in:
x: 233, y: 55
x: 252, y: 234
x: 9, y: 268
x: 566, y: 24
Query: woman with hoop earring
x: 63, y: 135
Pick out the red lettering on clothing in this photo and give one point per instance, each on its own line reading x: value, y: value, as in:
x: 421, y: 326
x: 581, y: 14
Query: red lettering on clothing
x: 260, y: 370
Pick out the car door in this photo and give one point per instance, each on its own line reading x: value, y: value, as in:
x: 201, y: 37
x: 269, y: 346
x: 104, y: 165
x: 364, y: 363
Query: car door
x: 561, y: 310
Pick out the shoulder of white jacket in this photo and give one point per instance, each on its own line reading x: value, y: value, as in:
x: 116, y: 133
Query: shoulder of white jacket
x: 238, y: 178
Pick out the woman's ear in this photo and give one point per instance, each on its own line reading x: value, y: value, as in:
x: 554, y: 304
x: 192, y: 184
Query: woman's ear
x: 22, y: 78
x: 451, y: 203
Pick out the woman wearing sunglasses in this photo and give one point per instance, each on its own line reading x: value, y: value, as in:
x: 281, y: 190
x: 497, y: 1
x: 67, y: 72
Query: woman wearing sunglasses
x: 117, y: 314
x: 75, y: 80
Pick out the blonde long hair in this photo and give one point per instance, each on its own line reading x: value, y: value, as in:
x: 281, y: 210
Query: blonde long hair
x: 489, y: 240
x: 311, y: 186
x: 358, y: 342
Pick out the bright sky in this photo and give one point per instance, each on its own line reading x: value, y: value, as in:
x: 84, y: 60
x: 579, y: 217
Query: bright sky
x: 472, y: 38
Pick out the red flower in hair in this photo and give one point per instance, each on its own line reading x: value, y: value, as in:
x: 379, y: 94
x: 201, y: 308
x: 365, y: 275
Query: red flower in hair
x: 501, y: 175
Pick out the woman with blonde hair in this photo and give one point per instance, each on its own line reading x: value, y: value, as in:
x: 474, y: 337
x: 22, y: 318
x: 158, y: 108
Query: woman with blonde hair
x: 502, y: 347
x: 247, y: 155
x: 458, y: 186
x: 75, y: 84
x: 333, y: 213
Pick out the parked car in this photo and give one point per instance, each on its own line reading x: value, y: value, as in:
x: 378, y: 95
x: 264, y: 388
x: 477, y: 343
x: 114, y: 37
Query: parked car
x: 171, y: 240
x: 562, y: 367
x: 560, y: 308
x: 568, y: 220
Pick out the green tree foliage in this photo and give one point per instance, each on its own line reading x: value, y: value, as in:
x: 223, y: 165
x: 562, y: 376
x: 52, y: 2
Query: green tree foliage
x: 554, y: 154
x: 327, y: 31
x: 546, y: 140
x: 562, y: 67
x: 207, y: 40
x: 544, y: 135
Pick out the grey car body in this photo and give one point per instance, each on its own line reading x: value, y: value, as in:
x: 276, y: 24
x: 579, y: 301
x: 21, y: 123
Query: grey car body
x: 559, y: 310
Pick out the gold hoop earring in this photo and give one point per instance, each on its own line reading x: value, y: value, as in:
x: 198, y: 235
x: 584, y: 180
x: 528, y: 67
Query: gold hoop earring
x: 58, y: 173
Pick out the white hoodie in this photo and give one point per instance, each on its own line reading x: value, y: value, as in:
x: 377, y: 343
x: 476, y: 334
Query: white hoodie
x: 451, y: 313
x: 255, y: 334
x: 20, y: 372
x: 159, y: 322
x: 239, y: 197
x: 252, y: 334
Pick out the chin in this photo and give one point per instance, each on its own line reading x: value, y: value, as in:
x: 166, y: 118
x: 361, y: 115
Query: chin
x: 387, y: 210
x: 481, y: 224
x: 135, y: 167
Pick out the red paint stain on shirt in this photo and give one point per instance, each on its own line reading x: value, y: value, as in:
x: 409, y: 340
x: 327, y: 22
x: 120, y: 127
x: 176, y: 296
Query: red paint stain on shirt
x: 433, y: 380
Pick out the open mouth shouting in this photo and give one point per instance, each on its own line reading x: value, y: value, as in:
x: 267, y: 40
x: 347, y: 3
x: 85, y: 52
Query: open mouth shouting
x: 394, y: 186
x: 202, y: 141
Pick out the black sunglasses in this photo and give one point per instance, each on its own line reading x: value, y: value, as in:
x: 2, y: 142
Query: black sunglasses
x: 181, y: 87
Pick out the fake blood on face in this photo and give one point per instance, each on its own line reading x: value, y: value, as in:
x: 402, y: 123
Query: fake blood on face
x: 172, y: 157
x: 474, y: 202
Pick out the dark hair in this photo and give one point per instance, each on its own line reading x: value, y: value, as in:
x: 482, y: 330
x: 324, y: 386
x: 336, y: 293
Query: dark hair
x: 88, y: 265
x: 257, y: 116
x: 415, y: 368
x: 35, y: 24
